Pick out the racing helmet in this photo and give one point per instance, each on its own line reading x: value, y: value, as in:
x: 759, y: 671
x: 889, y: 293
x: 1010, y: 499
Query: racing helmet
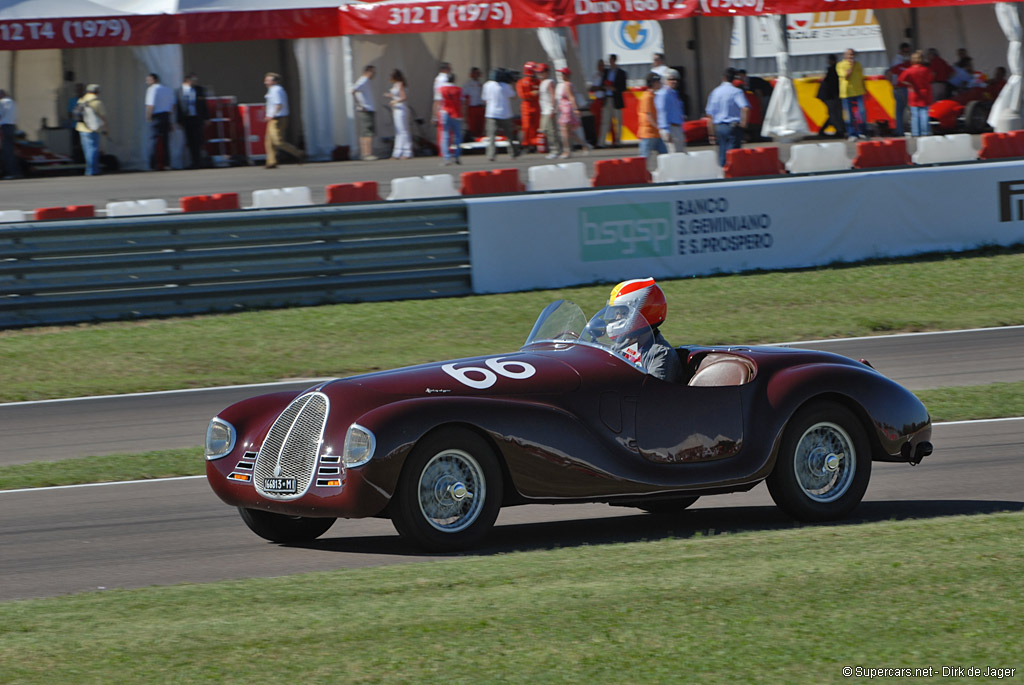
x: 643, y: 294
x: 529, y: 67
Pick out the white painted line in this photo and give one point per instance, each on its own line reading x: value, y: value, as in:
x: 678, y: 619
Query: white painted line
x: 99, y: 485
x: 165, y: 480
x: 900, y: 335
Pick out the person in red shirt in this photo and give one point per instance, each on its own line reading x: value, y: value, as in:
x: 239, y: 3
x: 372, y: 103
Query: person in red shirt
x: 993, y: 87
x: 941, y: 72
x: 528, y: 90
x: 450, y: 118
x: 917, y: 78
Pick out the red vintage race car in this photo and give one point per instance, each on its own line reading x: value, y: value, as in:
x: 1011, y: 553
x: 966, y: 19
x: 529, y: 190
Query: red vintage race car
x: 571, y: 417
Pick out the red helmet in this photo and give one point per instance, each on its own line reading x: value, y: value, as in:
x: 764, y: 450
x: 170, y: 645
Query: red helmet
x: 645, y: 295
x: 540, y: 68
x: 529, y: 67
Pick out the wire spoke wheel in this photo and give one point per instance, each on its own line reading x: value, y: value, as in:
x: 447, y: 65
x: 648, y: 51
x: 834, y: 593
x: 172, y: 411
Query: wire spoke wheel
x: 452, y: 491
x: 824, y: 462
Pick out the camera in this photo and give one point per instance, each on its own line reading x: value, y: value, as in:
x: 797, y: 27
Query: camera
x: 503, y: 75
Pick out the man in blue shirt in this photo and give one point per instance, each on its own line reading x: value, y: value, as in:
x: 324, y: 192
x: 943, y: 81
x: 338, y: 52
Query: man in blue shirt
x: 727, y: 112
x: 670, y: 113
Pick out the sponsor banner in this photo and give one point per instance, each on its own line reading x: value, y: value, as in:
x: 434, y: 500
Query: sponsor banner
x: 567, y: 239
x: 148, y: 29
x: 816, y: 33
x: 634, y: 42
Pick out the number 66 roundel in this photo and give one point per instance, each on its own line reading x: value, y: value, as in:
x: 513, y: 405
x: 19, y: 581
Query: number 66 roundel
x: 481, y: 378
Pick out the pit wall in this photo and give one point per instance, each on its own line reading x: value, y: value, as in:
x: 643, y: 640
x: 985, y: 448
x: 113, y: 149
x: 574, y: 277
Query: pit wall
x: 674, y: 231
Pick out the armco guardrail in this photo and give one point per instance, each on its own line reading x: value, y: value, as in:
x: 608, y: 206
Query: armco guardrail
x: 96, y: 269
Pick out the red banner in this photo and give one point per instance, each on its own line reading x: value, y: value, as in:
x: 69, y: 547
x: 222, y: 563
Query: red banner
x: 394, y: 16
x: 158, y: 29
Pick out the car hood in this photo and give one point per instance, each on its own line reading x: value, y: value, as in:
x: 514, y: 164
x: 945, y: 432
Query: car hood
x: 518, y: 373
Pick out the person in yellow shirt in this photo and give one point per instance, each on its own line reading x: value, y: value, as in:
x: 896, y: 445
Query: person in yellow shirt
x: 851, y: 92
x: 91, y: 119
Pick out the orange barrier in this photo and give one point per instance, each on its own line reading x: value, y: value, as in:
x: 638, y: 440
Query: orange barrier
x: 72, y: 212
x: 621, y: 172
x: 491, y: 182
x: 210, y: 203
x: 363, y: 191
x: 753, y: 161
x: 1001, y: 145
x: 881, y: 153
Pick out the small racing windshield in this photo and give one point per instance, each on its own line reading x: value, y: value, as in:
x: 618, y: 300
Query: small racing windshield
x: 620, y: 330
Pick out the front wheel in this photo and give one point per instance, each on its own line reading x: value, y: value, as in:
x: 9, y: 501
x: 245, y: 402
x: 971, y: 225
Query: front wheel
x: 823, y: 466
x: 285, y: 529
x: 449, y: 492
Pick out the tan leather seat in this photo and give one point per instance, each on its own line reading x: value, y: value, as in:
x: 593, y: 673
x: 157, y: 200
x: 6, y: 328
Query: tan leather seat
x: 719, y: 369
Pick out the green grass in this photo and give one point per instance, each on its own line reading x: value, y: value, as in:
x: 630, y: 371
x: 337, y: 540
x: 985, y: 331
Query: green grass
x: 793, y: 605
x: 947, y: 292
x: 944, y: 404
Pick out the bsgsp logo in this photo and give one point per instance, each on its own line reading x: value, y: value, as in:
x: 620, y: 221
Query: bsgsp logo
x: 1011, y: 201
x: 626, y: 232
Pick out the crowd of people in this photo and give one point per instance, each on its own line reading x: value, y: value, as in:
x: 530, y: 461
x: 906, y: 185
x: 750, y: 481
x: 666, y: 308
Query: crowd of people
x: 919, y: 79
x: 548, y: 119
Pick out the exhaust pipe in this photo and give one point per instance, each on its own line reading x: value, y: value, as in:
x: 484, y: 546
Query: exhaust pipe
x: 913, y: 454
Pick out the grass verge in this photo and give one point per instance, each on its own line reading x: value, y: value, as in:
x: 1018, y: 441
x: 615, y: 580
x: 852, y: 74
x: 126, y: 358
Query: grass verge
x: 795, y: 605
x: 945, y: 404
x: 945, y: 292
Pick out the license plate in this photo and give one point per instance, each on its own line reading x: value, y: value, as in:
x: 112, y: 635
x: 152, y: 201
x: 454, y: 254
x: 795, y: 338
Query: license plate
x: 283, y: 486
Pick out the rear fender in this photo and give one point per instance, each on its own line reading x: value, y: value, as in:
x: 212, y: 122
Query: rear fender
x: 891, y: 414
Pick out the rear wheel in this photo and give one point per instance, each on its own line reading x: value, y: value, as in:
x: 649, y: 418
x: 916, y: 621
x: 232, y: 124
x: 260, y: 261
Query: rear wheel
x: 449, y: 492
x: 824, y: 464
x: 281, y: 528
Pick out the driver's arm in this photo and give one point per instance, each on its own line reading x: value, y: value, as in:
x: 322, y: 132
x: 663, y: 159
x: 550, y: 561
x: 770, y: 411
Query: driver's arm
x: 662, y: 361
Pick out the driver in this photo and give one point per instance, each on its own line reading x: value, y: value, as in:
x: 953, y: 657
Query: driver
x: 659, y: 358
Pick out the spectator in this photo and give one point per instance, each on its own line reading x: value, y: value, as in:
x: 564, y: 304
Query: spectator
x: 497, y: 96
x: 362, y: 93
x: 659, y: 67
x: 276, y: 113
x: 994, y: 86
x: 917, y: 78
x: 528, y: 91
x: 670, y: 112
x: 851, y: 92
x: 474, y: 104
x: 159, y: 105
x: 548, y: 113
x: 941, y: 72
x: 828, y: 92
x: 899, y: 93
x: 400, y: 115
x: 192, y: 116
x: 726, y: 110
x: 440, y: 81
x: 568, y: 117
x: 597, y: 98
x: 614, y: 82
x: 651, y: 143
x: 8, y: 134
x: 93, y: 123
x: 451, y: 121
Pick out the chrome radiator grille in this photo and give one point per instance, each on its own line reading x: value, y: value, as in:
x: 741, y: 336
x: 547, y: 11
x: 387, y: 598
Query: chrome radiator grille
x: 293, y: 445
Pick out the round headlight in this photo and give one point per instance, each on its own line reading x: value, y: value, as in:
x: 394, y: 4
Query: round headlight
x: 220, y: 439
x: 359, y: 446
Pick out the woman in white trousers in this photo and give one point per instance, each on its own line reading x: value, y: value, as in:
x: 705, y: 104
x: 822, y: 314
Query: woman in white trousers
x: 400, y: 112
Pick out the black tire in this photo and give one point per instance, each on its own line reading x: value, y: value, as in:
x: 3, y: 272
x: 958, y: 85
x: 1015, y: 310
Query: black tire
x: 449, y: 493
x: 668, y: 506
x: 976, y: 116
x: 824, y: 464
x: 286, y: 529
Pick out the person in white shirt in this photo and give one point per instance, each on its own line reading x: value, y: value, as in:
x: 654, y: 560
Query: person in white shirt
x: 276, y: 115
x: 160, y: 102
x: 440, y: 81
x: 471, y: 91
x: 548, y: 118
x: 497, y: 96
x: 365, y: 112
x: 659, y: 67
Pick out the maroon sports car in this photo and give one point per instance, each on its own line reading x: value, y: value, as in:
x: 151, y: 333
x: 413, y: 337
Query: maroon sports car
x: 572, y: 417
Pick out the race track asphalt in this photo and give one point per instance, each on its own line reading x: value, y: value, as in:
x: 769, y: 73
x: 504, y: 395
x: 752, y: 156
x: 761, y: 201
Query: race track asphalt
x: 91, y: 538
x: 49, y: 431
